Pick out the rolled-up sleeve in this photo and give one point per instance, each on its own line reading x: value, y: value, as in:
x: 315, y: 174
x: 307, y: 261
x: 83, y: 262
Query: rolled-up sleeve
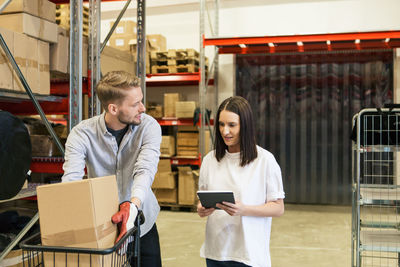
x: 145, y: 166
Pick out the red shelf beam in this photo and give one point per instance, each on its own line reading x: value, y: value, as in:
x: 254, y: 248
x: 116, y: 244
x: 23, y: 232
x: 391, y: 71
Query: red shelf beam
x: 168, y: 79
x: 26, y: 107
x: 47, y: 165
x: 178, y: 122
x: 303, y: 43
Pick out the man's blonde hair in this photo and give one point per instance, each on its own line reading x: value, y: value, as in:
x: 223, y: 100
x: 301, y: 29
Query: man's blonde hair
x: 112, y: 86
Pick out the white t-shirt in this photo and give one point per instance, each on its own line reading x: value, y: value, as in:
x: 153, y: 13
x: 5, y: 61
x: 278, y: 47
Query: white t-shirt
x: 240, y: 238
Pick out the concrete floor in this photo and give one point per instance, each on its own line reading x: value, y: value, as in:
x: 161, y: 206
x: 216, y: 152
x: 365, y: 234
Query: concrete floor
x: 306, y: 235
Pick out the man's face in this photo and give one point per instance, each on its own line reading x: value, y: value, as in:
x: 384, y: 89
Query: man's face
x: 131, y: 107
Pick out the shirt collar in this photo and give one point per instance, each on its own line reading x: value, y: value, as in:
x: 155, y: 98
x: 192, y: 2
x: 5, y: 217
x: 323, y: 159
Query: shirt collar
x: 103, y: 126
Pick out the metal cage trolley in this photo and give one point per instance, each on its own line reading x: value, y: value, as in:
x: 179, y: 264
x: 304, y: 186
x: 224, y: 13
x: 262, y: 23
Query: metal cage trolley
x: 120, y: 255
x: 375, y: 188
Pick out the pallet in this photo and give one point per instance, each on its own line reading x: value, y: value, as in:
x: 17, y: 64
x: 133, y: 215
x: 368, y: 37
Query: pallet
x: 175, y: 69
x: 178, y: 207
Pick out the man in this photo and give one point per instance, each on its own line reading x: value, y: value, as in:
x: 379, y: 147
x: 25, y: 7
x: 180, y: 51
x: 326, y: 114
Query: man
x: 125, y: 142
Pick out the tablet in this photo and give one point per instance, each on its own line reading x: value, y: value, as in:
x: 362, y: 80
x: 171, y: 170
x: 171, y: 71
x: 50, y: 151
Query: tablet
x: 208, y: 199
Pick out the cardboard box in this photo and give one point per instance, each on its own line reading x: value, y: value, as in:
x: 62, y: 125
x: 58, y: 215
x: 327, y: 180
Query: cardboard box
x: 39, y: 8
x: 30, y: 25
x: 169, y: 104
x: 6, y: 70
x: 121, y: 42
x: 164, y: 165
x: 113, y: 59
x: 185, y: 109
x: 188, y: 151
x: 43, y: 146
x: 164, y: 180
x: 59, y: 52
x: 156, y: 111
x: 14, y: 259
x: 20, y: 54
x: 44, y: 67
x: 157, y: 42
x: 187, y: 139
x: 187, y: 186
x: 124, y: 27
x: 167, y: 147
x: 78, y: 214
x: 32, y: 66
x: 166, y: 195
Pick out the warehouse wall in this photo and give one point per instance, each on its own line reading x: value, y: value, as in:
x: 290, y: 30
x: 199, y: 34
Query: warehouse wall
x: 178, y: 20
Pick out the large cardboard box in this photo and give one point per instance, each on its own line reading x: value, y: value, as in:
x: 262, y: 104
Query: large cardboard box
x: 59, y: 52
x: 166, y: 195
x: 30, y: 25
x: 14, y: 259
x: 164, y: 177
x: 78, y: 214
x: 39, y: 8
x: 187, y: 186
x: 121, y: 42
x: 124, y: 27
x: 6, y: 70
x: 44, y: 67
x: 20, y: 55
x: 188, y: 151
x: 185, y: 109
x: 169, y: 104
x: 164, y: 165
x: 157, y: 42
x: 114, y: 59
x: 167, y: 147
x: 32, y: 66
x: 187, y: 138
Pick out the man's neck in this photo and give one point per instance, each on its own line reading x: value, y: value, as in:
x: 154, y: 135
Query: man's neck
x: 113, y: 123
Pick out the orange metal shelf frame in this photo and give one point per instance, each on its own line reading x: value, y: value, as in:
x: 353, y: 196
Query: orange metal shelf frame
x: 304, y: 43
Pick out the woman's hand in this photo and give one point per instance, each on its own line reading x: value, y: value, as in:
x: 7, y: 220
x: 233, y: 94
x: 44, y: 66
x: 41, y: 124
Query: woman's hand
x: 203, y: 212
x: 233, y: 209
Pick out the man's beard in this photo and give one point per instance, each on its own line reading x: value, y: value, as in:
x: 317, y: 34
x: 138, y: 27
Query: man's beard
x: 124, y: 121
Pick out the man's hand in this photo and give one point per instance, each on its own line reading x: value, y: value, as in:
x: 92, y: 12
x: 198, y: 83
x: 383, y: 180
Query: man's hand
x: 125, y: 218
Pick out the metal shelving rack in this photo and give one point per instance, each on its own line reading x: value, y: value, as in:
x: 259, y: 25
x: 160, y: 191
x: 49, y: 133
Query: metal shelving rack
x: 376, y: 188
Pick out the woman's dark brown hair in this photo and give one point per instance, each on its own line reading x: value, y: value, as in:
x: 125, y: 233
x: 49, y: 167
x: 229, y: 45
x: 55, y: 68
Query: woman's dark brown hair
x: 248, y: 148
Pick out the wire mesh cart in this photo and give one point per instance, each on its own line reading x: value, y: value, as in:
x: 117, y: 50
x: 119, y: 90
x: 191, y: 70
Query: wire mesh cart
x: 375, y: 190
x: 126, y: 252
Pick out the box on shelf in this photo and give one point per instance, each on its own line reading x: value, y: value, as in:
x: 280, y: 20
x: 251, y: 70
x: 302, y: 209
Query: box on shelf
x: 78, y: 214
x: 59, y: 52
x: 187, y: 139
x: 167, y: 147
x: 166, y: 195
x: 121, y: 42
x: 169, y: 104
x: 39, y: 8
x: 43, y: 146
x: 164, y: 180
x: 185, y: 109
x: 30, y: 25
x: 44, y: 67
x: 20, y: 55
x: 114, y: 59
x: 188, y: 151
x: 124, y: 27
x: 32, y: 69
x: 6, y: 70
x: 187, y: 186
x: 164, y: 165
x: 157, y: 42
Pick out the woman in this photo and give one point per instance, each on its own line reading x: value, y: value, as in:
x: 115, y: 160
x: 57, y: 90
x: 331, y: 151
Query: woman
x: 238, y: 234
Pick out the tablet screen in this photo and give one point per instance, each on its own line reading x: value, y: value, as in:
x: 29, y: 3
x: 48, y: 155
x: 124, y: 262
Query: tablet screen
x: 209, y: 199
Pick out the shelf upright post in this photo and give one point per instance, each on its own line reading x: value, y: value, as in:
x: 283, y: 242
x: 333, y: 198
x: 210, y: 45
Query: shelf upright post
x: 75, y: 63
x: 216, y: 55
x: 94, y: 55
x: 202, y: 86
x: 141, y: 45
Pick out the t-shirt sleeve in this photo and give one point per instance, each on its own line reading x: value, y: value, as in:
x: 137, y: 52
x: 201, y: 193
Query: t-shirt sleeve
x: 274, y: 181
x: 203, y: 178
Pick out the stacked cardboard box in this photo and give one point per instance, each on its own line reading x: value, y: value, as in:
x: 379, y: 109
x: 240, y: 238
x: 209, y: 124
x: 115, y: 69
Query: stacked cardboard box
x: 154, y: 110
x: 170, y: 100
x: 167, y: 147
x: 63, y: 17
x: 164, y: 184
x: 187, y: 186
x: 78, y: 214
x: 59, y: 53
x: 185, y: 109
x: 187, y: 144
x: 123, y: 34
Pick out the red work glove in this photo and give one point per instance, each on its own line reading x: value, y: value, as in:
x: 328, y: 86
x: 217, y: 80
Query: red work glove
x: 125, y: 218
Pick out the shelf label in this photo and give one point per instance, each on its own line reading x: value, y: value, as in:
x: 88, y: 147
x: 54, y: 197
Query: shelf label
x: 174, y: 122
x: 175, y: 161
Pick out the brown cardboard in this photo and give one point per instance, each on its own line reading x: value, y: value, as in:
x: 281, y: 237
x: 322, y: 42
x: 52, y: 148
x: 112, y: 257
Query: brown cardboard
x: 164, y: 180
x: 32, y: 66
x: 166, y: 195
x: 44, y: 67
x: 156, y: 111
x: 187, y: 139
x: 14, y: 259
x: 59, y: 53
x: 157, y: 42
x: 124, y: 27
x: 164, y: 165
x: 30, y: 25
x: 188, y: 151
x: 6, y: 70
x: 187, y: 186
x: 114, y: 59
x: 39, y: 8
x: 20, y: 54
x: 121, y: 42
x: 78, y: 214
x: 185, y: 109
x: 167, y: 147
x: 169, y: 104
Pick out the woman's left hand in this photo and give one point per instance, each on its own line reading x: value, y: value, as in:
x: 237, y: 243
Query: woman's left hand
x: 233, y: 209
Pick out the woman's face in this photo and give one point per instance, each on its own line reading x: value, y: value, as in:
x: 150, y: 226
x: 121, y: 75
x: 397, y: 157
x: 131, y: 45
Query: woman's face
x: 229, y: 127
